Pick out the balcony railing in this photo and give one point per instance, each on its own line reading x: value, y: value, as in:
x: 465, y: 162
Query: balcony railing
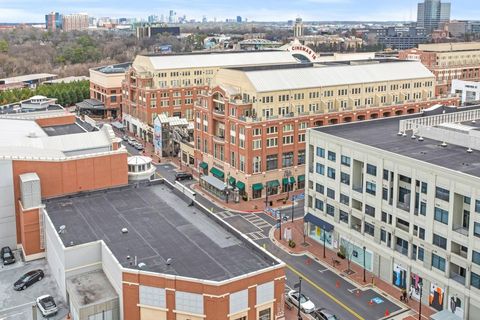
x: 401, y: 249
x: 458, y: 278
x: 460, y: 229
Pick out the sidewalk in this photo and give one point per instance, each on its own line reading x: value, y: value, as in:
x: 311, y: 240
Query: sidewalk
x: 316, y: 251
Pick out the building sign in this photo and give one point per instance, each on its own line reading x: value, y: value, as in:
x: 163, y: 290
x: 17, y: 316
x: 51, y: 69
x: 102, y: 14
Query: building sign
x: 455, y: 305
x: 415, y: 283
x: 303, y: 50
x: 157, y: 136
x: 436, y: 296
x: 399, y: 276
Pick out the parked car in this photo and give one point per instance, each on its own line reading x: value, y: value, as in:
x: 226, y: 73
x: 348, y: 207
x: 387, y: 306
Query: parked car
x: 125, y: 138
x: 131, y: 140
x: 138, y: 146
x: 47, y: 305
x: 28, y: 279
x: 179, y: 176
x: 7, y: 255
x: 306, y: 305
x: 323, y: 314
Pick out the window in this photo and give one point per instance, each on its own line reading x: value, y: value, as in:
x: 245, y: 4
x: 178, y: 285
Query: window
x: 288, y: 140
x: 344, y: 199
x: 320, y: 169
x: 301, y: 137
x: 441, y: 215
x: 332, y: 156
x: 301, y: 157
x: 476, y: 229
x: 288, y: 127
x: 343, y: 216
x: 371, y: 169
x: 442, y: 194
x: 257, y: 131
x: 345, y: 161
x: 369, y: 228
x: 272, y: 162
x: 371, y: 188
x: 331, y: 173
x: 370, y: 210
x: 438, y: 262
x: 271, y: 130
x: 385, y: 174
x: 189, y: 302
x: 320, y: 152
x: 319, y: 204
x: 272, y: 142
x: 421, y: 233
x: 475, y: 280
x: 345, y: 178
x: 424, y: 187
x: 257, y: 144
x: 476, y: 257
x: 320, y: 188
x: 287, y: 159
x: 257, y: 164
x: 384, y: 216
x: 423, y: 208
x: 421, y: 254
x: 477, y: 206
x: 439, y: 241
x: 331, y: 193
x: 330, y: 210
x: 384, y: 193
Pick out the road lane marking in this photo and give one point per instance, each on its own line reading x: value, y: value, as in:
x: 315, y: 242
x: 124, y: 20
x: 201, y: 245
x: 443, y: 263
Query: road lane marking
x: 313, y: 284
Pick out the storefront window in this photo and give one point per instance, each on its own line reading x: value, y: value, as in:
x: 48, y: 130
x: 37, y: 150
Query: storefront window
x: 316, y: 233
x: 265, y: 314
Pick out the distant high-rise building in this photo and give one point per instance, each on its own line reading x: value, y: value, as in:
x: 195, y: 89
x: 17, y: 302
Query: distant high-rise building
x: 77, y: 21
x: 152, y: 18
x: 239, y: 19
x: 298, y: 28
x: 432, y: 13
x: 172, y: 17
x: 53, y: 21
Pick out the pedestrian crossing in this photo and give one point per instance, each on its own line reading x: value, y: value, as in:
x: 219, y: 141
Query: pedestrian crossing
x: 257, y: 235
x: 225, y: 214
x: 256, y: 221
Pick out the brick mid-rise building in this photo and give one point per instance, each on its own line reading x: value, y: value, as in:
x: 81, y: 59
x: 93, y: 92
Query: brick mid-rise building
x: 447, y: 61
x: 250, y: 126
x: 170, y: 84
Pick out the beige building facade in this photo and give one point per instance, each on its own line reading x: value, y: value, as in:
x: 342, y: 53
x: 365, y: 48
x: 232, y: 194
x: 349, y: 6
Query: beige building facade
x: 250, y: 126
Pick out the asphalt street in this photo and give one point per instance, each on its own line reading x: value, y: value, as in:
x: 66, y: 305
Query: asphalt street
x: 325, y: 288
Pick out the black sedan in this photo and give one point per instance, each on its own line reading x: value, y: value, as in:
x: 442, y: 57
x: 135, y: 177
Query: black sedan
x: 28, y: 279
x: 7, y: 255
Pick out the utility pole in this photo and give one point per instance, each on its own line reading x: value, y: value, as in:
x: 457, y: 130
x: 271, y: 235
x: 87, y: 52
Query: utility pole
x: 364, y: 272
x: 280, y: 223
x: 420, y: 301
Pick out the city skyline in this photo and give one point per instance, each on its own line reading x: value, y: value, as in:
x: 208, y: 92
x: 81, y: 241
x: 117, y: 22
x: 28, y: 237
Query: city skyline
x: 310, y: 10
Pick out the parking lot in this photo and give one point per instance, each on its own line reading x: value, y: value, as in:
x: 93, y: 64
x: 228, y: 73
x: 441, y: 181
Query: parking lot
x: 17, y: 305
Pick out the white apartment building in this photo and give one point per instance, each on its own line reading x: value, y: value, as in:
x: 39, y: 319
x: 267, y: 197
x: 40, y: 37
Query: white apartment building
x: 402, y: 197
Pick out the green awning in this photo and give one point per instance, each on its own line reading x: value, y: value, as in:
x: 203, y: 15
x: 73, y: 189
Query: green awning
x: 273, y: 183
x: 240, y: 185
x: 257, y: 186
x: 285, y: 181
x: 203, y: 165
x: 231, y: 181
x: 292, y: 180
x: 217, y: 173
x: 301, y: 178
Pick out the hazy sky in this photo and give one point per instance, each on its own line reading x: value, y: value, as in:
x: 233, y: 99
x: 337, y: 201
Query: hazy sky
x: 259, y: 10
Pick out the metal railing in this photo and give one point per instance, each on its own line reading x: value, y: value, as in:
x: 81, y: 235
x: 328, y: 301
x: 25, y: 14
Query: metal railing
x: 430, y: 121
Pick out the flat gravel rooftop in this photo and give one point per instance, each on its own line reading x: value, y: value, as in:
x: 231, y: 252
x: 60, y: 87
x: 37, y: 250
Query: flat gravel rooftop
x: 383, y: 134
x: 161, y: 225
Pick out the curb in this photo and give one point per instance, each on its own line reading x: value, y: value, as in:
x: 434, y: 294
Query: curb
x: 364, y: 287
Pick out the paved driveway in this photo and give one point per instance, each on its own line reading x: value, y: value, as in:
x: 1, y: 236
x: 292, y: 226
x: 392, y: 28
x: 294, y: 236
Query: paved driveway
x: 17, y: 305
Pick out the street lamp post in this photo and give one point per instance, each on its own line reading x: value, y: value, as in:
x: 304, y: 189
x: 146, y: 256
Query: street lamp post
x: 324, y: 242
x: 299, y: 316
x: 364, y: 259
x: 280, y: 224
x: 293, y: 199
x: 420, y: 302
x: 266, y: 195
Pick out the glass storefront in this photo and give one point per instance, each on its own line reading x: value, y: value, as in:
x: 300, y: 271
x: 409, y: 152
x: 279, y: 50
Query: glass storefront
x: 356, y: 254
x: 316, y: 233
